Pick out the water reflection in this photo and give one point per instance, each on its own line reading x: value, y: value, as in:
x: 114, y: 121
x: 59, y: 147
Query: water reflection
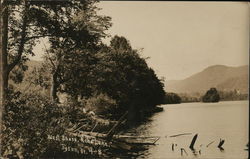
x: 214, y: 122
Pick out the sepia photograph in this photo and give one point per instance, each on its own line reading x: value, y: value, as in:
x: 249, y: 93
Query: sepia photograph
x: 124, y: 79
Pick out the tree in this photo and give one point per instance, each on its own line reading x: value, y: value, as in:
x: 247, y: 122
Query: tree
x: 24, y: 22
x: 83, y: 30
x: 211, y: 95
x: 172, y: 98
x: 125, y: 76
x: 14, y: 37
x: 117, y: 71
x: 76, y: 74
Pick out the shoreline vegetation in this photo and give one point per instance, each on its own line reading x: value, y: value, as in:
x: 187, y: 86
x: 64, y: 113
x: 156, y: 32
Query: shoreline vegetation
x: 232, y: 95
x: 81, y: 85
x: 211, y: 96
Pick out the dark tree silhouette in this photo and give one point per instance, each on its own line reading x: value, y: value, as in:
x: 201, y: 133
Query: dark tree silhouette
x: 172, y: 98
x: 211, y: 95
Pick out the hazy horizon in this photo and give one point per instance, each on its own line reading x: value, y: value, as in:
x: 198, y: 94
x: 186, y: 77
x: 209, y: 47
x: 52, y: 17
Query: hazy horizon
x: 182, y: 38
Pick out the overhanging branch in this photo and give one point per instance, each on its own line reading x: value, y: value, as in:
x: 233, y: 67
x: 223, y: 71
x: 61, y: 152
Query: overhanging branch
x: 36, y: 37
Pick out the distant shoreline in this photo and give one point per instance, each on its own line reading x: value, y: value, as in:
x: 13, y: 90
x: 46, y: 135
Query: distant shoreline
x: 207, y: 102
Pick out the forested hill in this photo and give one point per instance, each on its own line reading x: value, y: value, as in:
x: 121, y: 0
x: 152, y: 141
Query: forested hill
x: 224, y: 78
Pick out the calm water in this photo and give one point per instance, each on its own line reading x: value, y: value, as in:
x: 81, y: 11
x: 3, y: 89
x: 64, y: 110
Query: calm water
x: 212, y: 121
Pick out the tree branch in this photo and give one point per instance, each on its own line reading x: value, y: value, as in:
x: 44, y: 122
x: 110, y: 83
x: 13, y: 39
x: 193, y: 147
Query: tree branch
x: 35, y: 37
x: 51, y: 61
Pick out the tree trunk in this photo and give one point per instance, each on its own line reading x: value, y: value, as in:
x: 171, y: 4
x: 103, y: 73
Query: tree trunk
x: 4, y: 53
x: 6, y: 68
x: 3, y: 58
x: 54, y: 86
x: 1, y: 62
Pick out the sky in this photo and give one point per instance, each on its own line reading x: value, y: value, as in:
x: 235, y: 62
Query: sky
x: 182, y: 38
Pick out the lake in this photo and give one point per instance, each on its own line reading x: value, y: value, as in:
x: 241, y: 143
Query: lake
x: 227, y: 120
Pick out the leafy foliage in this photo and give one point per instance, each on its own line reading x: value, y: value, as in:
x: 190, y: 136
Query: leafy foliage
x: 17, y: 74
x: 211, y: 95
x: 28, y: 120
x: 190, y: 97
x: 172, y: 98
x: 76, y: 73
x: 124, y: 76
x: 75, y: 32
x: 102, y: 105
x: 116, y: 70
x: 232, y: 95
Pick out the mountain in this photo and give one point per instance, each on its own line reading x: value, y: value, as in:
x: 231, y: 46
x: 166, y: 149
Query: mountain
x: 224, y: 78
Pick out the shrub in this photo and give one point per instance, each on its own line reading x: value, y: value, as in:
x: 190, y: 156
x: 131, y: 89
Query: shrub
x: 28, y: 120
x: 102, y: 105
